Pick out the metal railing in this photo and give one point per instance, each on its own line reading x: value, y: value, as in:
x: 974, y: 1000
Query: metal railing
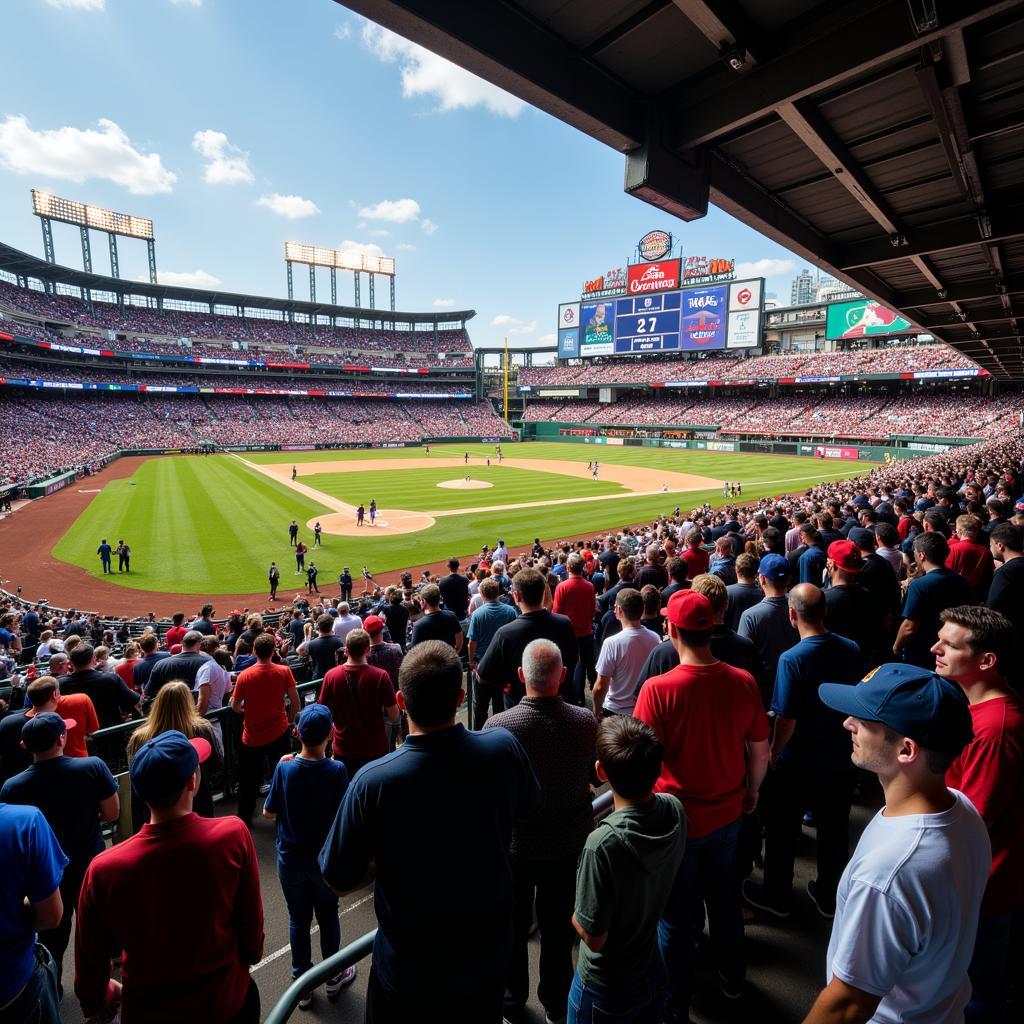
x: 362, y: 947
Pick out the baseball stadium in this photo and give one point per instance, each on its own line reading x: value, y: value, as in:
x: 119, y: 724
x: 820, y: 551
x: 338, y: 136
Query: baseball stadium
x: 209, y: 494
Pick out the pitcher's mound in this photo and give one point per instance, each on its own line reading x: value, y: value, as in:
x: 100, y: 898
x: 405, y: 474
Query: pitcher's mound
x: 389, y: 521
x: 465, y: 485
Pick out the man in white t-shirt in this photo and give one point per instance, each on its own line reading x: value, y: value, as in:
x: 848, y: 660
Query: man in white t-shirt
x: 908, y: 902
x: 346, y: 621
x: 212, y: 682
x: 622, y: 657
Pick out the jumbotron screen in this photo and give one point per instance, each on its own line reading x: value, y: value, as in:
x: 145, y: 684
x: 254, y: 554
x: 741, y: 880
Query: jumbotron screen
x: 700, y: 319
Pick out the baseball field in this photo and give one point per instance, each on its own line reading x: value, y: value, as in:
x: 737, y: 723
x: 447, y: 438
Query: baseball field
x: 212, y: 524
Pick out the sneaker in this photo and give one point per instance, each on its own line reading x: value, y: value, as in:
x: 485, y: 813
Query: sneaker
x: 754, y: 893
x: 730, y: 989
x: 339, y: 981
x: 827, y: 910
x: 306, y: 1001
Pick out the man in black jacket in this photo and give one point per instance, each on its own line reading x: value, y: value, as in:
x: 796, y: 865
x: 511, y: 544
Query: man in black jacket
x: 111, y: 698
x: 455, y: 592
x: 184, y: 666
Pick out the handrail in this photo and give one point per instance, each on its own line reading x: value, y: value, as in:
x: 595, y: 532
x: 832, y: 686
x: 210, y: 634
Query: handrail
x: 363, y: 947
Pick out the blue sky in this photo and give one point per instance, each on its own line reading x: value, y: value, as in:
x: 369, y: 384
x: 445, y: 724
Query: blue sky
x: 237, y: 126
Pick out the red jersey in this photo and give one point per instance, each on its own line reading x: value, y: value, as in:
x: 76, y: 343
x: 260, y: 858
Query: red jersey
x: 990, y: 773
x: 973, y: 561
x: 263, y: 688
x: 174, y: 636
x: 126, y: 670
x: 356, y: 695
x: 182, y: 900
x: 697, y: 561
x: 575, y: 597
x: 704, y: 715
x: 80, y: 708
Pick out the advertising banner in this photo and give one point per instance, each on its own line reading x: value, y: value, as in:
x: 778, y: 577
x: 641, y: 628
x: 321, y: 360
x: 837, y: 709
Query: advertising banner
x: 863, y: 318
x: 654, y: 245
x: 569, y: 342
x: 597, y: 322
x: 825, y: 451
x: 644, y: 278
x: 743, y: 329
x: 744, y: 295
x: 647, y: 323
x: 568, y: 315
x: 721, y: 446
x: 704, y: 319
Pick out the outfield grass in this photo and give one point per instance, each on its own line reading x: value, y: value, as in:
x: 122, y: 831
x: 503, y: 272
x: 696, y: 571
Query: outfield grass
x: 212, y: 525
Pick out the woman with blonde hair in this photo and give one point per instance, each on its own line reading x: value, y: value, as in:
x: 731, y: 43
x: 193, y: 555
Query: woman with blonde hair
x: 174, y: 708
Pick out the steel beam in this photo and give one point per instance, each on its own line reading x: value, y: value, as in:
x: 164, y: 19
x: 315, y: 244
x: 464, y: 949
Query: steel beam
x: 115, y: 270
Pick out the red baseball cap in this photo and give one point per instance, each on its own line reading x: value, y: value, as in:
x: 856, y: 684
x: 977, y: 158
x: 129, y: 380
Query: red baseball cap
x: 846, y: 555
x: 689, y: 610
x: 373, y: 624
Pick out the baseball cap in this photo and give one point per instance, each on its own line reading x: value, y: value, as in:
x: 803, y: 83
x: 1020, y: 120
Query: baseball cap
x: 690, y: 610
x: 914, y: 702
x: 315, y: 723
x: 846, y: 555
x: 861, y: 499
x: 773, y: 567
x: 373, y: 624
x: 175, y: 649
x: 162, y: 766
x: 862, y: 538
x: 40, y: 732
x: 1019, y: 505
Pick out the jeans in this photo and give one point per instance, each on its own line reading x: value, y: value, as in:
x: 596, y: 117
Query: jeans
x: 482, y: 1006
x: 56, y: 939
x: 252, y: 770
x: 989, y: 971
x: 306, y: 894
x: 39, y: 1001
x: 706, y: 875
x: 639, y: 1004
x: 793, y: 789
x: 586, y: 670
x: 552, y: 885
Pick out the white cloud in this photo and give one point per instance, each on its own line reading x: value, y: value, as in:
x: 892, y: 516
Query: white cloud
x: 187, y: 3
x: 225, y: 164
x: 406, y: 247
x: 426, y: 74
x: 366, y: 248
x: 395, y: 211
x: 444, y: 303
x: 343, y: 31
x: 548, y: 339
x: 428, y: 226
x: 513, y: 325
x: 185, y: 278
x: 78, y: 5
x: 73, y: 154
x: 380, y: 233
x: 765, y: 268
x: 292, y: 207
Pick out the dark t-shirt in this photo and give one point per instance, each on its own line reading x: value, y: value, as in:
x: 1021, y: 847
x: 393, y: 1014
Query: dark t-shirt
x: 68, y: 791
x: 656, y: 575
x: 323, y: 654
x: 184, y: 666
x: 204, y: 626
x: 741, y: 597
x: 13, y: 756
x: 439, y: 625
x: 928, y: 595
x: 396, y: 616
x: 852, y: 612
x: 111, y: 698
x: 455, y: 593
x: 1006, y: 594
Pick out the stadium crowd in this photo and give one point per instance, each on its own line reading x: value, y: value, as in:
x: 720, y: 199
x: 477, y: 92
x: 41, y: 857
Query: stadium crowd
x: 748, y: 668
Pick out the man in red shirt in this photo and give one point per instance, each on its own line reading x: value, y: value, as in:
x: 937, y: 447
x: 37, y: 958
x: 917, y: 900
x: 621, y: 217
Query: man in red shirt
x: 259, y: 696
x: 44, y: 695
x: 970, y: 557
x: 974, y: 649
x: 180, y: 901
x: 360, y: 696
x: 177, y: 632
x: 711, y: 720
x: 696, y: 558
x: 575, y: 597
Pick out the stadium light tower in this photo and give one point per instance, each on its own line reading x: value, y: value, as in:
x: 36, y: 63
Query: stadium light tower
x: 315, y: 256
x: 49, y: 208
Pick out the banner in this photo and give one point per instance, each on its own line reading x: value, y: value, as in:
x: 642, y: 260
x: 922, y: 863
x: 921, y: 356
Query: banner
x: 863, y: 318
x: 644, y: 278
x: 569, y: 342
x: 703, y: 321
x: 744, y: 329
x: 744, y: 295
x: 597, y: 320
x: 568, y: 315
x: 824, y: 451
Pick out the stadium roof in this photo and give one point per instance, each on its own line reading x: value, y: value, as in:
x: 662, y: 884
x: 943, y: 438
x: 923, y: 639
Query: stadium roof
x: 878, y: 139
x: 22, y: 264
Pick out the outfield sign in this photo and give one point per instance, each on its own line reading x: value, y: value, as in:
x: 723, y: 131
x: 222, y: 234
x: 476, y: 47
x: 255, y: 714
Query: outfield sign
x: 864, y: 318
x: 655, y: 245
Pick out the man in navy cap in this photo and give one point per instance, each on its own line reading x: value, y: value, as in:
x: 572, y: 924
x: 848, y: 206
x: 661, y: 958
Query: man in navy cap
x: 75, y: 794
x: 907, y: 905
x: 181, y: 899
x: 766, y: 624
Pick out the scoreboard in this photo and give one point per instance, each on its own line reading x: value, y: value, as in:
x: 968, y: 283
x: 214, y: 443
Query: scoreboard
x: 648, y: 323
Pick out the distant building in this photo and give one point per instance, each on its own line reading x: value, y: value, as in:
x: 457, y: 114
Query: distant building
x: 801, y: 291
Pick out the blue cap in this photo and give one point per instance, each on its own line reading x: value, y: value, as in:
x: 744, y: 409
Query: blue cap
x: 864, y: 539
x: 315, y: 723
x: 861, y: 499
x: 912, y: 701
x: 40, y: 732
x: 162, y: 766
x: 773, y: 567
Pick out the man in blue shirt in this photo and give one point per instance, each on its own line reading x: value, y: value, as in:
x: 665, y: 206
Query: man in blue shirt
x: 483, y: 624
x: 457, y: 794
x: 810, y: 758
x: 811, y: 566
x: 33, y: 865
x: 105, y: 551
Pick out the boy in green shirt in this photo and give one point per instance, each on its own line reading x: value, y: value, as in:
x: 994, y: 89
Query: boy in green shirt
x: 626, y: 873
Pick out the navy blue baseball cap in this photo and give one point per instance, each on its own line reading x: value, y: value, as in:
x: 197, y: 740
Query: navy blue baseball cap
x: 40, y: 732
x: 315, y: 723
x: 912, y: 701
x: 162, y: 766
x: 864, y: 539
x: 773, y: 567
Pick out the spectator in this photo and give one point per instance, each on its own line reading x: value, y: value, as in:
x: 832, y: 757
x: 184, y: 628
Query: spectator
x: 767, y: 624
x: 653, y: 572
x: 813, y: 561
x: 881, y: 581
x: 575, y: 598
x: 126, y: 668
x: 323, y: 650
x: 745, y: 592
x: 696, y: 558
x: 850, y: 611
x: 488, y: 618
x: 259, y: 696
x: 189, y: 953
x: 455, y: 593
x: 677, y: 574
x: 305, y: 794
x: 887, y: 547
x: 203, y: 623
x: 213, y: 682
x: 381, y: 654
x: 627, y: 871
x: 150, y: 657
x: 711, y: 721
x: 359, y: 697
x: 622, y: 657
x: 346, y: 621
x: 652, y: 618
x: 112, y: 700
x: 75, y: 794
x: 183, y: 667
x: 1006, y: 595
x: 44, y: 694
x: 436, y: 956
x: 437, y: 623
x: 723, y: 562
x: 969, y: 555
x: 974, y: 650
x: 177, y: 632
x: 559, y: 741
x: 396, y: 615
x: 908, y: 901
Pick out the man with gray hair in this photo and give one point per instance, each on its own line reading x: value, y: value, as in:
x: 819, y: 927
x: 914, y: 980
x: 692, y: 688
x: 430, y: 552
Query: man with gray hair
x: 560, y: 741
x: 346, y: 621
x: 653, y: 572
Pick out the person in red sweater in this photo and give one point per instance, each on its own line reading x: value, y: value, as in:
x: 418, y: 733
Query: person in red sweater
x: 575, y: 598
x: 180, y: 901
x: 177, y: 631
x: 974, y: 649
x: 970, y: 557
x: 696, y: 558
